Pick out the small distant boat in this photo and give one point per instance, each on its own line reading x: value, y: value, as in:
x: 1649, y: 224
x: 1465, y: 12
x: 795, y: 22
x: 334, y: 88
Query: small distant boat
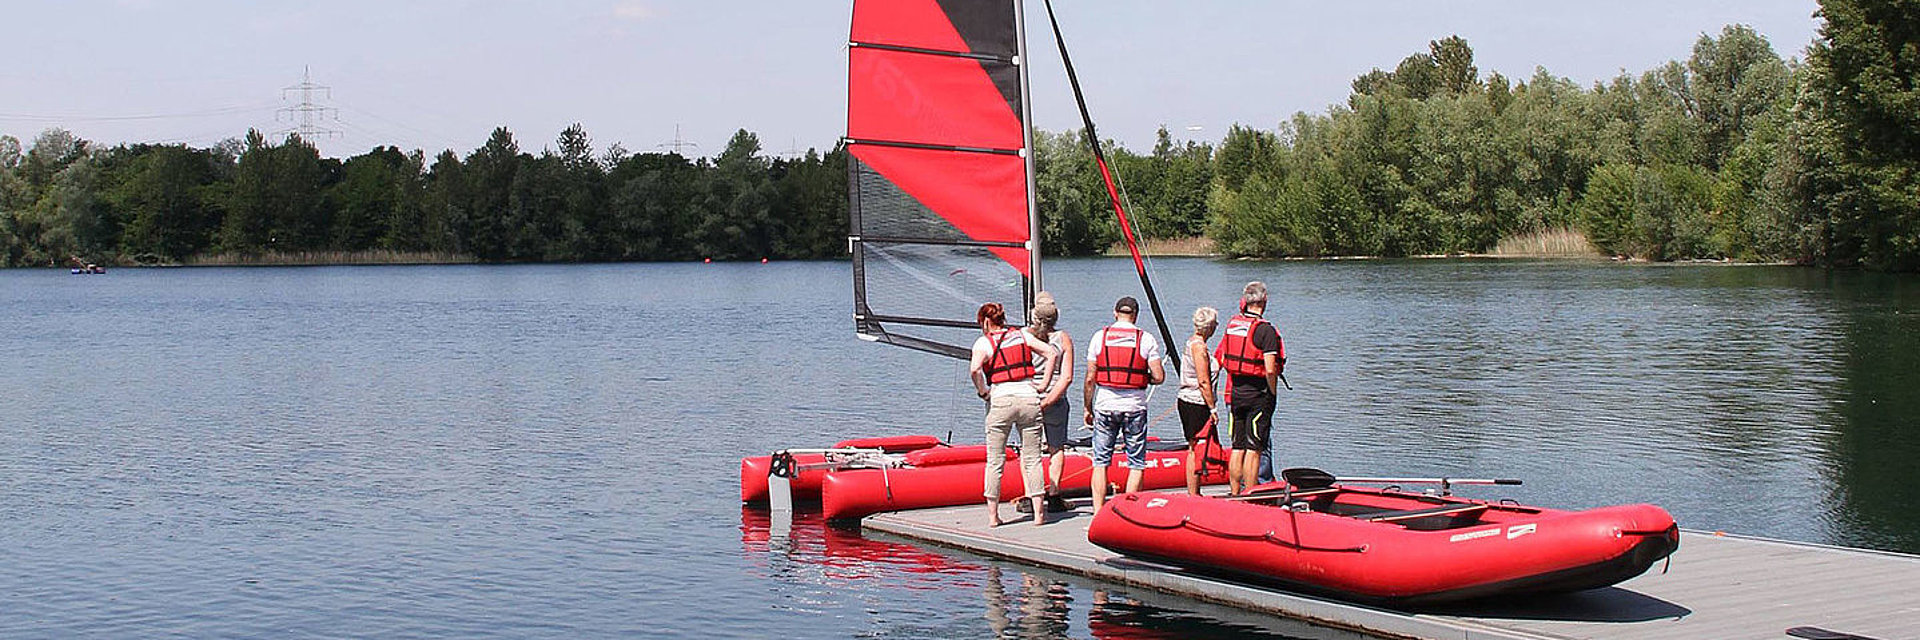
x: 1388, y: 545
x: 90, y: 269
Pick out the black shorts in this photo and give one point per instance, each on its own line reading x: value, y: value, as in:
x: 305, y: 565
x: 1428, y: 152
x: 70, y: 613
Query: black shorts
x: 1252, y: 420
x: 1194, y: 417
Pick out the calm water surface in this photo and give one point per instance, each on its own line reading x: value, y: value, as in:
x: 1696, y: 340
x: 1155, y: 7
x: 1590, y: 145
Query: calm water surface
x: 551, y: 451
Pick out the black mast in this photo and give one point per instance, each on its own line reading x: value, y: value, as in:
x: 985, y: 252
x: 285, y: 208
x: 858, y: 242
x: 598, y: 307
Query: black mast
x: 1113, y: 192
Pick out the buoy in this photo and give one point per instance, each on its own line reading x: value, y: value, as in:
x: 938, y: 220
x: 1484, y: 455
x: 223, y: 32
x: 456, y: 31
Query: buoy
x: 707, y: 261
x: 763, y: 261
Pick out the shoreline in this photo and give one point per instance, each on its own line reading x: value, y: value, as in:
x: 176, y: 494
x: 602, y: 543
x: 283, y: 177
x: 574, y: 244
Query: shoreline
x: 1178, y: 250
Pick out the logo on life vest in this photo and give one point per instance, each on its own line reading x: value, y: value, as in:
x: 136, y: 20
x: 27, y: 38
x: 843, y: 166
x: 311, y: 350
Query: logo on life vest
x: 1521, y: 530
x: 1156, y: 502
x: 1474, y: 535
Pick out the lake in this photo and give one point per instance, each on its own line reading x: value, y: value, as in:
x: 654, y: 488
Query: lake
x: 552, y: 451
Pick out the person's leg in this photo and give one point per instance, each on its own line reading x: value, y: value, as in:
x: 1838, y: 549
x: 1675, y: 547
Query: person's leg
x: 1032, y: 479
x: 1194, y: 459
x: 1053, y: 422
x: 1243, y: 460
x: 1263, y: 432
x: 1105, y: 436
x: 999, y: 425
x: 1193, y: 419
x: 1266, y: 463
x: 1134, y: 426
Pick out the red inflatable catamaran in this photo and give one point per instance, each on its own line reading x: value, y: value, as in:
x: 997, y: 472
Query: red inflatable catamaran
x: 942, y: 219
x: 1388, y: 545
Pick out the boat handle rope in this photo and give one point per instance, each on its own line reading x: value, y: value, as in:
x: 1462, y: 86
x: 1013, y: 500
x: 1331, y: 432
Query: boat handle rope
x: 1187, y: 522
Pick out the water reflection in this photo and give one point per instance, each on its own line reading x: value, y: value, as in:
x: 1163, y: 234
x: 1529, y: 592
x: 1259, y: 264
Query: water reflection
x: 1037, y: 608
x: 1878, y: 448
x: 1019, y: 602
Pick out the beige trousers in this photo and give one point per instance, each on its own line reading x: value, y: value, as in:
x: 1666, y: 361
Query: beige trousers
x: 1005, y: 414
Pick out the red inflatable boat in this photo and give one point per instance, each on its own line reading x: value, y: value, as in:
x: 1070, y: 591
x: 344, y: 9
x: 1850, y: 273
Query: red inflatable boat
x: 1385, y: 545
x: 856, y: 478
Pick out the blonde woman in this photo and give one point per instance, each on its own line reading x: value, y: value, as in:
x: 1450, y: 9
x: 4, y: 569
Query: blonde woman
x: 1198, y: 397
x: 1054, y: 407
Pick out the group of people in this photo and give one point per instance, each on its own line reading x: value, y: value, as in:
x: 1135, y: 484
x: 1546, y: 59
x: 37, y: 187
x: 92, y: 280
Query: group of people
x: 1024, y: 375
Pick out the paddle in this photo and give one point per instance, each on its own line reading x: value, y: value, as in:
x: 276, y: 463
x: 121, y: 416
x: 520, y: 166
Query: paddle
x: 1305, y: 478
x: 1816, y: 633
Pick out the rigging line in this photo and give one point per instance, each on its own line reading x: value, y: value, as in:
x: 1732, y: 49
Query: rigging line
x: 436, y: 137
x: 1113, y: 193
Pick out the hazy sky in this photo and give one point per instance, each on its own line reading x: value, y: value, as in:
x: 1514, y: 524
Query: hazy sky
x: 439, y: 74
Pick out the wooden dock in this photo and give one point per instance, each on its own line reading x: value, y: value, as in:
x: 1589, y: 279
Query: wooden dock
x: 1718, y: 587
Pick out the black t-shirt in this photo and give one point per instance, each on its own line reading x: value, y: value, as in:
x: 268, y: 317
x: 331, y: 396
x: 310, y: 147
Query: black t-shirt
x: 1267, y: 340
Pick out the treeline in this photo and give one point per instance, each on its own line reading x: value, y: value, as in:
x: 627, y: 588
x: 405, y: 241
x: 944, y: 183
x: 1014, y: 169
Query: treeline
x: 62, y: 199
x: 1733, y: 153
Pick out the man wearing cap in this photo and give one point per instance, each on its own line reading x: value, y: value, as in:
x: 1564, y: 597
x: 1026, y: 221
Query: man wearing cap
x: 1122, y: 361
x: 1253, y: 357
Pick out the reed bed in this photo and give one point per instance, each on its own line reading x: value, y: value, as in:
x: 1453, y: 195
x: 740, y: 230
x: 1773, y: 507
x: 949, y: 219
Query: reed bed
x: 293, y: 258
x: 1194, y: 246
x: 1547, y: 243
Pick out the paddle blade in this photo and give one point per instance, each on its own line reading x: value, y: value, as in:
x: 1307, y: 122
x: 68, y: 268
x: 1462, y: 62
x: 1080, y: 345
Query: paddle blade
x: 1816, y: 633
x: 1303, y: 478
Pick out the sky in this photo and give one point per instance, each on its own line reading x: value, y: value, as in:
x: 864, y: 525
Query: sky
x: 442, y: 74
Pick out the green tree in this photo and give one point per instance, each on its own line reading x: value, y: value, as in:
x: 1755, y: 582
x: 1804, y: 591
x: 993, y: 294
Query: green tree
x: 1863, y: 136
x: 175, y: 211
x: 1453, y: 65
x: 1734, y: 79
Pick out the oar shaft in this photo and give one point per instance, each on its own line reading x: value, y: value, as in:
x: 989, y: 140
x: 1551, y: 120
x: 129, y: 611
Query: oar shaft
x: 1501, y: 481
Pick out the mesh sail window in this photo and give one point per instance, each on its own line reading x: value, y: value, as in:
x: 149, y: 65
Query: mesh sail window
x: 941, y: 220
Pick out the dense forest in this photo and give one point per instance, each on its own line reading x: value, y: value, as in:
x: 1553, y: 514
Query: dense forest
x: 1733, y: 153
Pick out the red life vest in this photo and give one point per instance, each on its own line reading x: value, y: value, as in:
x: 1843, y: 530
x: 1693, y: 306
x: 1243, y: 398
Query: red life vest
x: 1012, y: 359
x: 1120, y: 365
x: 1238, y: 355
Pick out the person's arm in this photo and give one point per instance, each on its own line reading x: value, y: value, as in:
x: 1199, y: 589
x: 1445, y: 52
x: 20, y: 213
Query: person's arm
x: 1202, y: 371
x: 1274, y: 354
x: 1087, y: 406
x: 976, y: 370
x: 1062, y: 371
x: 1156, y: 369
x: 1273, y: 372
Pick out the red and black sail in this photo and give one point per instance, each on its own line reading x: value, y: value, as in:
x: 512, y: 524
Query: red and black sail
x: 940, y: 173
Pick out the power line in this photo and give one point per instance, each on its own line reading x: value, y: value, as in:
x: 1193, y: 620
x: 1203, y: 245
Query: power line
x: 219, y: 111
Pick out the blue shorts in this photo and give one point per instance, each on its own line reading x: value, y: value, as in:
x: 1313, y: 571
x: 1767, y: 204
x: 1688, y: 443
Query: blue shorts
x: 1130, y: 427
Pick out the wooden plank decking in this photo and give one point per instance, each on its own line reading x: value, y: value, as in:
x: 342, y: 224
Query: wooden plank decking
x: 1722, y: 588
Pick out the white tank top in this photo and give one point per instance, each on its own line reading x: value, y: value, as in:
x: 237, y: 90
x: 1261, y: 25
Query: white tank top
x: 1041, y: 366
x: 1190, y: 377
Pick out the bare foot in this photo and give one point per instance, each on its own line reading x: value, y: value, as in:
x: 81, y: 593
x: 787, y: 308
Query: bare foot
x: 993, y: 516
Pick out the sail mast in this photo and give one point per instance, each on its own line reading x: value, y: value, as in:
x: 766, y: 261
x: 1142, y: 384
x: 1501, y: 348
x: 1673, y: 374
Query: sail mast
x: 1113, y: 192
x: 1026, y: 118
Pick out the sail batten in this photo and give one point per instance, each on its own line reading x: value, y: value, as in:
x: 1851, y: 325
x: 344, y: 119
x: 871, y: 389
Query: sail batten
x: 939, y: 172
